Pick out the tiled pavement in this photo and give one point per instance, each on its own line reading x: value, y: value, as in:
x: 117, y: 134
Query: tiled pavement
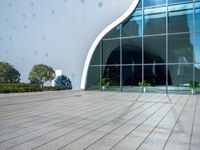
x: 78, y: 120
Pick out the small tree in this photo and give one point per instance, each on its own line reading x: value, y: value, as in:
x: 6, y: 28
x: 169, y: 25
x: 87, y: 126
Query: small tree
x: 41, y: 73
x: 8, y: 73
x: 63, y: 81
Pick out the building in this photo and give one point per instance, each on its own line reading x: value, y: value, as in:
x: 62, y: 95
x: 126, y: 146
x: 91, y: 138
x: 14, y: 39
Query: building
x: 133, y: 45
x: 155, y: 49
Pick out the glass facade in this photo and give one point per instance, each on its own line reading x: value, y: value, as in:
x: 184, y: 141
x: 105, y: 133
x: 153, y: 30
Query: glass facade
x: 157, y: 49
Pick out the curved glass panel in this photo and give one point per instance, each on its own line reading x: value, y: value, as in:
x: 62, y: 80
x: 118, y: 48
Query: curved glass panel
x: 133, y: 26
x: 111, y: 52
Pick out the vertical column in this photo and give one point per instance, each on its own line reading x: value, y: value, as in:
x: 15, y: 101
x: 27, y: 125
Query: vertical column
x: 167, y: 46
x: 120, y: 26
x: 101, y: 62
x: 142, y: 45
x: 193, y: 36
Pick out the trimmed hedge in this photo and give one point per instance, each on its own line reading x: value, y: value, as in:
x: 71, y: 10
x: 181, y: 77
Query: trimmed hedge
x: 24, y: 87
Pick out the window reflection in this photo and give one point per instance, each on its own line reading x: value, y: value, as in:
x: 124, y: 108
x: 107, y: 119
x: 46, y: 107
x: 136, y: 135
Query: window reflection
x: 178, y: 1
x: 133, y: 26
x: 155, y: 21
x: 180, y: 48
x: 197, y: 47
x: 132, y: 51
x: 155, y: 49
x: 180, y: 18
x: 148, y: 3
x: 197, y: 16
x: 111, y: 52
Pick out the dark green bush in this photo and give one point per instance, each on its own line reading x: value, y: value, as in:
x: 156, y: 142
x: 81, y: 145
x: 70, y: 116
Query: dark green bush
x: 24, y: 87
x: 8, y: 73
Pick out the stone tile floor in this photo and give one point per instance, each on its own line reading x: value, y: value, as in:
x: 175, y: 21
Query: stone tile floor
x: 79, y: 120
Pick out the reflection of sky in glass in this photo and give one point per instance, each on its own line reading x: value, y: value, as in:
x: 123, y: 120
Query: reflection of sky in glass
x: 196, y: 44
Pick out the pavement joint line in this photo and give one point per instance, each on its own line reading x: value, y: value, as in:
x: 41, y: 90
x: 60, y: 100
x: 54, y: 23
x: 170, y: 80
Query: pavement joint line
x: 106, y: 103
x: 176, y: 123
x: 160, y: 121
x: 47, y: 108
x: 65, y: 120
x: 88, y: 124
x: 194, y: 116
x: 64, y: 107
x: 73, y: 129
x: 72, y: 100
x: 100, y: 127
x: 119, y: 127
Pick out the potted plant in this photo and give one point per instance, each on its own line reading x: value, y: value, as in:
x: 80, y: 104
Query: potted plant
x: 104, y: 83
x: 144, y: 85
x: 193, y: 86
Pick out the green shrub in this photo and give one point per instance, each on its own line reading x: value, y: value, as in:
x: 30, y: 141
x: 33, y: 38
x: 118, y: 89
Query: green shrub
x: 8, y: 73
x: 24, y: 87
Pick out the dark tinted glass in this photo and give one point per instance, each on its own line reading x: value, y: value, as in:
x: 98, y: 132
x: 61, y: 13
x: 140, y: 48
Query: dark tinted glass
x: 133, y: 26
x: 180, y: 48
x: 111, y: 52
x: 155, y: 75
x: 155, y: 49
x: 96, y: 56
x: 112, y: 75
x: 131, y: 75
x: 93, y: 78
x: 181, y: 18
x: 180, y: 75
x: 132, y: 51
x: 114, y: 33
x: 155, y: 21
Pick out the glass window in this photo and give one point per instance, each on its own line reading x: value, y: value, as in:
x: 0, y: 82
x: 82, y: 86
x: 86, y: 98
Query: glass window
x: 181, y: 18
x: 131, y: 75
x: 111, y: 77
x: 96, y: 56
x: 155, y: 21
x: 111, y: 52
x: 180, y: 48
x: 133, y: 26
x: 93, y: 78
x: 148, y: 3
x: 155, y: 49
x: 139, y: 5
x: 197, y: 16
x: 197, y: 72
x: 155, y: 75
x: 114, y: 33
x: 178, y: 1
x: 132, y: 51
x: 196, y: 47
x: 179, y: 77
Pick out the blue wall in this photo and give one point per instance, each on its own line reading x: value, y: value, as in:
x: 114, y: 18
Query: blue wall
x: 55, y: 32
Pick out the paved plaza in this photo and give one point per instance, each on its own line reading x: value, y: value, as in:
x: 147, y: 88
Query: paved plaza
x: 80, y: 120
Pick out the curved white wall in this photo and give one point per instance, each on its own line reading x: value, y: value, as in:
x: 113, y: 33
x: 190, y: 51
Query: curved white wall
x: 58, y: 33
x: 99, y: 38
